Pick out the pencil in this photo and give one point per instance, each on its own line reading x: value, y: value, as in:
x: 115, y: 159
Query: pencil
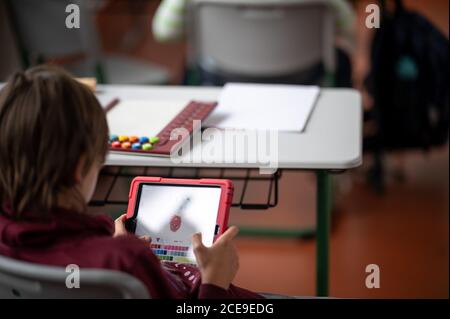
x: 111, y: 104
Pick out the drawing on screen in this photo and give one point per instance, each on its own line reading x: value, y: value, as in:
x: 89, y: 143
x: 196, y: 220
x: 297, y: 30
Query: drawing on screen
x: 175, y: 221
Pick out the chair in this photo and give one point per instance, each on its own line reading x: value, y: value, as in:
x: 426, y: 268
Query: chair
x: 20, y: 279
x: 43, y: 37
x: 279, y: 41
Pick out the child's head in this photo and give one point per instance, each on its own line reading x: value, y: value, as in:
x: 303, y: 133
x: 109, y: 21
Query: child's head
x: 53, y: 141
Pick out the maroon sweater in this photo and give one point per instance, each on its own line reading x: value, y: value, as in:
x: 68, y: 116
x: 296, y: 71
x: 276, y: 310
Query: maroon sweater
x: 68, y: 237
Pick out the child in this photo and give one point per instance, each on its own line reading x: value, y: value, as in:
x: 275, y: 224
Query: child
x: 53, y: 142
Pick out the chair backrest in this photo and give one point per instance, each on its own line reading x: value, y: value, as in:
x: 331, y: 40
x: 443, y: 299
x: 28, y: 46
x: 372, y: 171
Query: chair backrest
x: 20, y: 279
x: 260, y: 37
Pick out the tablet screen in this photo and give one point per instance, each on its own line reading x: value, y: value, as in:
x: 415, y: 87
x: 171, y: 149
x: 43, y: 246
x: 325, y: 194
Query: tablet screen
x: 171, y: 213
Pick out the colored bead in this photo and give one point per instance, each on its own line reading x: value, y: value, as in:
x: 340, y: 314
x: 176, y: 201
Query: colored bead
x: 126, y: 145
x: 147, y: 146
x: 144, y: 139
x: 154, y: 139
x: 116, y: 144
x: 123, y: 138
x: 136, y: 146
x: 113, y: 138
x: 134, y: 139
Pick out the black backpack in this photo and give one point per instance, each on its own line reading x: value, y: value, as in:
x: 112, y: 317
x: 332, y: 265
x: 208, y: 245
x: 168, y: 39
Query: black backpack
x: 409, y: 81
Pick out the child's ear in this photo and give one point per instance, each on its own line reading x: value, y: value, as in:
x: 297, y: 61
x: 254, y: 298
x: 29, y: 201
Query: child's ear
x: 79, y: 170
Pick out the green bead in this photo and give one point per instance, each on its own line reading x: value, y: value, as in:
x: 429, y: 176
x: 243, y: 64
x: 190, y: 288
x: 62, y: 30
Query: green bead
x: 147, y: 146
x: 154, y: 139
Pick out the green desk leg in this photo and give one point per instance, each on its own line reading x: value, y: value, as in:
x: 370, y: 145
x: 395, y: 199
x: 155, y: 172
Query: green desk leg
x: 323, y: 231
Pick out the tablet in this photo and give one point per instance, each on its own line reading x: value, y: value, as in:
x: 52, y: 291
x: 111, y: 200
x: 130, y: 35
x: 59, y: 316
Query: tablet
x: 170, y: 211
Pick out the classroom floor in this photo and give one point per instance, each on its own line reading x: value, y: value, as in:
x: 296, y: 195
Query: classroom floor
x: 404, y: 231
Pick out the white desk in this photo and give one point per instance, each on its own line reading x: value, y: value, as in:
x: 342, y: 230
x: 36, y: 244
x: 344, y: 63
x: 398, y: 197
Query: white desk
x: 332, y: 141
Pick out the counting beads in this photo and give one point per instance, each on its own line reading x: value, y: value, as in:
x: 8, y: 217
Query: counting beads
x: 144, y: 139
x: 136, y: 146
x: 133, y: 142
x: 154, y: 139
x: 147, y: 146
x: 116, y: 144
x: 126, y: 145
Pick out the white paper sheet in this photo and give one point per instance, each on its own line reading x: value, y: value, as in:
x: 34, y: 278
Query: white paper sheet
x: 142, y: 117
x: 264, y: 107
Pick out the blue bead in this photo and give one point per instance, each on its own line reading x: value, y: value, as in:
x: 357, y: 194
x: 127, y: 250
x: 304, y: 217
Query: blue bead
x: 136, y: 146
x: 113, y: 138
x: 144, y: 139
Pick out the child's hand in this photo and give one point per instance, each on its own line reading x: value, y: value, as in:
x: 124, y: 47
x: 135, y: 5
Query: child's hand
x: 219, y: 263
x: 119, y: 228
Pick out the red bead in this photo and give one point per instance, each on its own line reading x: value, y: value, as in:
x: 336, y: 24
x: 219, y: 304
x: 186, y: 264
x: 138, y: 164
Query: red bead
x: 116, y: 144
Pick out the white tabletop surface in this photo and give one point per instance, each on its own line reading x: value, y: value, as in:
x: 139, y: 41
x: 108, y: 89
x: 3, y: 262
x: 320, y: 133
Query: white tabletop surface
x: 332, y: 138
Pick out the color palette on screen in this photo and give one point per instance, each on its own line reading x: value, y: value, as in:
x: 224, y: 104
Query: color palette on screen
x: 171, y: 253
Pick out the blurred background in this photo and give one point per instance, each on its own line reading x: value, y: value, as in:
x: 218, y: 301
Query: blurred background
x: 392, y: 211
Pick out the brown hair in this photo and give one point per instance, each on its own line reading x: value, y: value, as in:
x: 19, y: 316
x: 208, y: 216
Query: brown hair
x: 48, y: 121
